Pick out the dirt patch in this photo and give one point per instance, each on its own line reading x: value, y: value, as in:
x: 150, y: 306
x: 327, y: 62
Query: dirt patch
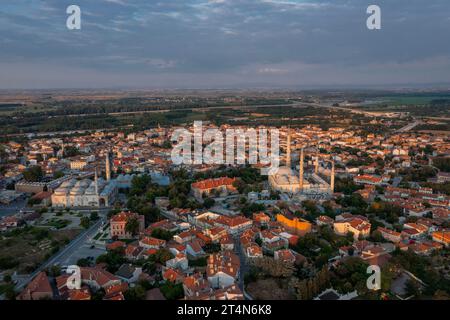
x: 269, y: 289
x: 25, y: 249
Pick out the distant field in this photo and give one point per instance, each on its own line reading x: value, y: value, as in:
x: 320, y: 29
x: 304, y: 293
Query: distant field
x: 436, y: 105
x: 405, y: 99
x: 11, y: 109
x: 413, y: 100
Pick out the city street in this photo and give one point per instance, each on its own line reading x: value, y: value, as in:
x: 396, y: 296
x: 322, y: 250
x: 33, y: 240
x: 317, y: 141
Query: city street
x: 243, y: 260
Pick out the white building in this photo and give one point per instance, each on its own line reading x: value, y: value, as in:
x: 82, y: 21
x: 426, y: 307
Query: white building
x: 85, y: 193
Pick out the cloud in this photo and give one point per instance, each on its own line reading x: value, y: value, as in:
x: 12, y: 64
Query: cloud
x: 119, y: 2
x: 224, y: 43
x: 295, y: 4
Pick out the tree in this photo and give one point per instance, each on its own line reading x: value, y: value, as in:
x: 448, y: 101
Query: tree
x: 350, y: 236
x: 349, y: 275
x: 172, y: 291
x: 387, y: 276
x: 161, y: 256
x: 58, y: 174
x: 85, y: 222
x: 347, y: 186
x: 249, y: 209
x: 71, y: 151
x: 83, y: 262
x: 323, y: 278
x: 442, y: 163
x: 93, y: 216
x: 150, y: 213
x: 377, y: 236
x: 310, y: 207
x: 132, y: 226
x: 208, y: 203
x: 33, y: 174
x: 239, y: 185
x: 138, y: 292
x: 199, y: 262
x: 54, y: 271
x: 112, y: 259
x: 162, y: 234
x: 9, y: 292
x: 7, y: 278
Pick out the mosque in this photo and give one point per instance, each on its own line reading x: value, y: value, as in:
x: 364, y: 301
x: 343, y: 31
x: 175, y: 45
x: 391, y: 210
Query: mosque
x: 88, y: 193
x: 301, y: 183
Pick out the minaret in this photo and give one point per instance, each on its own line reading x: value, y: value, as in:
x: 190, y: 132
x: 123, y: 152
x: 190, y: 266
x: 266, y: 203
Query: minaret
x: 332, y: 177
x: 316, y: 167
x: 288, y: 149
x: 108, y: 166
x: 96, y: 182
x: 302, y: 159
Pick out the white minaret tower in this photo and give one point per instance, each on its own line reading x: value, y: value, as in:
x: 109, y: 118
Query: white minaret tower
x: 61, y: 152
x: 302, y: 160
x: 96, y: 182
x: 316, y: 167
x: 332, y: 177
x: 288, y: 149
x: 108, y: 166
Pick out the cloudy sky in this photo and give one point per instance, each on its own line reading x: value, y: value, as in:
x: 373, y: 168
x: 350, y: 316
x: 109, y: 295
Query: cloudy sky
x: 223, y: 44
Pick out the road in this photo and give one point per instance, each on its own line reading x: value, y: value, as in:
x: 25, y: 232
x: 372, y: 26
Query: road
x: 63, y: 254
x: 409, y: 126
x: 330, y: 106
x: 244, y: 266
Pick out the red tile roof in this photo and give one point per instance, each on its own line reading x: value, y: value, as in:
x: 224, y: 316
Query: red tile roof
x: 213, y: 183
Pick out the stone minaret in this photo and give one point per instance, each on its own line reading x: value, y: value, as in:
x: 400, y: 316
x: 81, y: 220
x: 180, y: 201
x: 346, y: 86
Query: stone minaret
x: 302, y: 160
x: 108, y: 166
x: 332, y: 177
x: 316, y: 166
x: 288, y: 149
x: 96, y: 182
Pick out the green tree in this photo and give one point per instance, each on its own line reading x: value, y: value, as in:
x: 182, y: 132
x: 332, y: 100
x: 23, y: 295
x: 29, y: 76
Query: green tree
x: 58, y: 174
x: 7, y: 278
x: 83, y: 262
x: 93, y: 216
x: 161, y: 256
x: 442, y: 163
x: 112, y: 259
x: 377, y: 236
x: 132, y: 226
x: 71, y: 151
x: 85, y: 222
x: 9, y: 292
x: 33, y: 174
x: 172, y: 291
x: 208, y: 203
x: 162, y: 234
x: 138, y: 292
